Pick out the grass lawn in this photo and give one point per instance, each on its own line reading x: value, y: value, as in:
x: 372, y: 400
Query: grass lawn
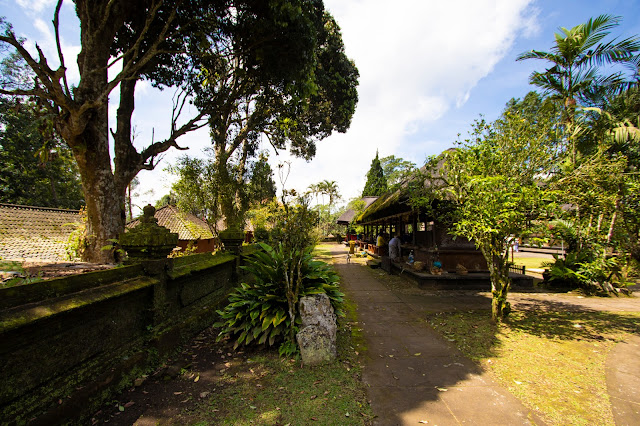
x: 554, y: 362
x: 531, y: 262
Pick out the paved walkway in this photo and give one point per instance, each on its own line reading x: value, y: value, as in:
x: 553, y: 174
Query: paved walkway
x: 415, y: 376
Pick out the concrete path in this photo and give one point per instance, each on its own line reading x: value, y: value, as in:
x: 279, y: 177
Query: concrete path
x: 416, y: 377
x: 413, y: 375
x: 623, y: 382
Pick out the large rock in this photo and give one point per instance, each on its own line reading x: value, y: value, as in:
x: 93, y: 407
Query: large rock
x: 317, y: 336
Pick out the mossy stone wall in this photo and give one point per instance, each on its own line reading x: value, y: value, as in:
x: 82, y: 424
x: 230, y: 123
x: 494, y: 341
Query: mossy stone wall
x: 72, y: 342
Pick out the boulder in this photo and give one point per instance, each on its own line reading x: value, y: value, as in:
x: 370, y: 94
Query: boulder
x: 317, y: 336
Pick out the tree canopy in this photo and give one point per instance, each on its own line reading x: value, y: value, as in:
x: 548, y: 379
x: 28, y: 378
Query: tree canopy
x: 494, y: 181
x: 396, y: 170
x: 305, y: 90
x: 376, y: 181
x: 275, y: 42
x: 36, y: 168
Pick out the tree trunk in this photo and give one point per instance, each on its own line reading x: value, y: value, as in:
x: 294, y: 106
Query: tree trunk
x: 226, y: 193
x: 614, y: 218
x: 500, y: 285
x: 104, y: 203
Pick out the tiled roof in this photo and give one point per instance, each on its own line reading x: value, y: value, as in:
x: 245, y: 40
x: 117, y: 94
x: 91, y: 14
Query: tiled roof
x: 35, y: 233
x: 187, y: 226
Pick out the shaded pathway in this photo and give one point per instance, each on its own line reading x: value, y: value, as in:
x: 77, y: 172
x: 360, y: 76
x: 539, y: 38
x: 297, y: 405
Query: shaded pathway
x: 413, y: 375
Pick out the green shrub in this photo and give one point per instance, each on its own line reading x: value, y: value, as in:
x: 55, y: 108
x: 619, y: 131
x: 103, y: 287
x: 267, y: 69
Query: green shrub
x: 588, y: 272
x: 261, y: 235
x: 258, y: 312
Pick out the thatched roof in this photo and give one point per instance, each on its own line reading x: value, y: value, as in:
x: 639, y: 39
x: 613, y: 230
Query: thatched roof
x: 187, y: 226
x: 397, y: 201
x: 346, y: 217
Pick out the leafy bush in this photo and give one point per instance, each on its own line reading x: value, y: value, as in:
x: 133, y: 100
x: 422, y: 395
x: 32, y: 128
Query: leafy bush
x: 591, y: 273
x: 258, y: 312
x: 261, y: 234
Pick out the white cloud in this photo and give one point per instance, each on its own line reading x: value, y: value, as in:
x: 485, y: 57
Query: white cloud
x: 35, y: 6
x: 417, y: 60
x: 47, y: 42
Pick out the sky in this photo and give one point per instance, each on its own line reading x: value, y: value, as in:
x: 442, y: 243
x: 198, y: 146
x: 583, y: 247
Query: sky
x: 427, y: 70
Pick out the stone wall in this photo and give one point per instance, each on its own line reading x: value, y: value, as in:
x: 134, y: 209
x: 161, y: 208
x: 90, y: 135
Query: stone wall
x: 68, y: 344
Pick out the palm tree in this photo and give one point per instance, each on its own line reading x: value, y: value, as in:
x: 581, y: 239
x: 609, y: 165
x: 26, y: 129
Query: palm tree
x: 314, y: 189
x: 577, y: 58
x: 330, y: 188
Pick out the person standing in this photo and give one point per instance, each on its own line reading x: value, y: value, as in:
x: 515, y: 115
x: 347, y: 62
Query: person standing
x: 395, y: 248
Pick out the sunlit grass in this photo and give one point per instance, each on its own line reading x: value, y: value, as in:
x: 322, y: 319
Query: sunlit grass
x: 554, y: 362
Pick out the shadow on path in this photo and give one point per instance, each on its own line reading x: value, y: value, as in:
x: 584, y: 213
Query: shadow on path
x: 413, y: 375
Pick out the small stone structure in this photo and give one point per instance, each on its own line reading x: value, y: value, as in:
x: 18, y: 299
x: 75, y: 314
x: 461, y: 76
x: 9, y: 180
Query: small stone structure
x: 148, y: 240
x: 317, y: 336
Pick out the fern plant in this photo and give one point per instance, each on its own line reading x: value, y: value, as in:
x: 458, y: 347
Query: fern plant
x: 260, y: 311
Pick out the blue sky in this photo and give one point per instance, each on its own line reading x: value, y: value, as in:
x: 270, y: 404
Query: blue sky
x: 428, y: 69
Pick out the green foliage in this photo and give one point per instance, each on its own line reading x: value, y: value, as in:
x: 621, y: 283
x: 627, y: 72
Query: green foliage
x: 166, y: 200
x: 593, y: 270
x: 261, y: 186
x: 326, y: 217
x: 396, y: 170
x: 578, y: 58
x: 193, y: 190
x: 201, y: 189
x: 36, y: 168
x: 258, y: 312
x: 77, y: 243
x: 491, y: 188
x: 261, y: 235
x: 376, y: 181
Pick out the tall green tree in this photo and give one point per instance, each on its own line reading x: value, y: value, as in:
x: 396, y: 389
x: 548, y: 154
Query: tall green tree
x: 261, y: 187
x: 198, y: 183
x: 580, y: 72
x: 493, y: 180
x: 36, y: 168
x: 330, y: 188
x: 148, y: 38
x: 376, y: 181
x: 164, y: 42
x: 396, y: 169
x: 305, y: 91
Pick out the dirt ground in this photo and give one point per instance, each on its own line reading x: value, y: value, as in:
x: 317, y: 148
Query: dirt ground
x: 172, y: 394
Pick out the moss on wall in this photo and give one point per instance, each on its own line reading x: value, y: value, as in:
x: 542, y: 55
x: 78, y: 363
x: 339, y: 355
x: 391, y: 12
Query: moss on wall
x: 80, y: 348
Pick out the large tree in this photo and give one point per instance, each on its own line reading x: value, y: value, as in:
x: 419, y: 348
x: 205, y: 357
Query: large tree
x: 305, y: 90
x: 581, y: 72
x: 376, y: 181
x: 146, y: 39
x: 597, y: 142
x: 494, y: 183
x: 163, y: 41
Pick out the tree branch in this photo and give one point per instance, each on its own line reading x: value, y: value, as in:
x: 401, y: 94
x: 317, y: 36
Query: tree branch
x: 45, y: 75
x: 133, y: 67
x: 56, y: 26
